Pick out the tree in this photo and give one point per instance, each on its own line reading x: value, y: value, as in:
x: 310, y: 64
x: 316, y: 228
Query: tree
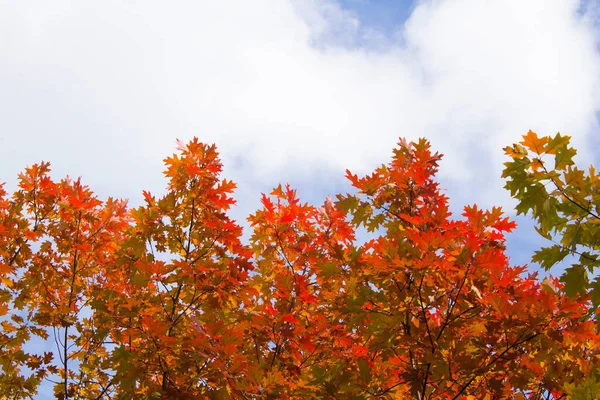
x: 565, y: 204
x: 165, y: 300
x: 564, y: 201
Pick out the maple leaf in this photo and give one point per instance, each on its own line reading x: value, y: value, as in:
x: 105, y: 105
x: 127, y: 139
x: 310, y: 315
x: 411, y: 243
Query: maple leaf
x: 535, y: 143
x: 166, y: 300
x: 290, y: 318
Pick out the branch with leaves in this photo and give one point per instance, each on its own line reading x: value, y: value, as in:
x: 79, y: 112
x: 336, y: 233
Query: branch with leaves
x: 165, y: 301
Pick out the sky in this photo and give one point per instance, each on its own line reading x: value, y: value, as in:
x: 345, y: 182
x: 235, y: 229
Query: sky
x: 294, y: 91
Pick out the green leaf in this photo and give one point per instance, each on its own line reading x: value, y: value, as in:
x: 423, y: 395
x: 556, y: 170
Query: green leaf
x: 564, y: 157
x: 543, y: 233
x: 330, y: 269
x: 347, y: 203
x: 595, y: 291
x: 140, y: 279
x: 364, y: 370
x: 547, y: 257
x: 588, y: 390
x: 575, y: 279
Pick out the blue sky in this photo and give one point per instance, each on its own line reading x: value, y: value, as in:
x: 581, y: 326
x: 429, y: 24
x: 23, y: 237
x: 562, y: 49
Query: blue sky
x: 386, y: 16
x: 294, y: 91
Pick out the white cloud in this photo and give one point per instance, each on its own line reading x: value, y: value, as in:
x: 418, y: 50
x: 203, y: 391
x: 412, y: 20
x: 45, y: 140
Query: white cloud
x: 102, y: 89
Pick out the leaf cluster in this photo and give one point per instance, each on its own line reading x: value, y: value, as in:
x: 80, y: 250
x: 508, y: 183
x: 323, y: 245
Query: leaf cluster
x: 165, y: 301
x: 564, y: 201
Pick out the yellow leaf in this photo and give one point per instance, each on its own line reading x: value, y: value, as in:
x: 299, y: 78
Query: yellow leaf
x: 534, y: 143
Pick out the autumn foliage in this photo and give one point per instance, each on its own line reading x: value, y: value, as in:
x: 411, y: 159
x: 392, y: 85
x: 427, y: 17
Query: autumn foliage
x: 166, y: 301
x: 565, y: 204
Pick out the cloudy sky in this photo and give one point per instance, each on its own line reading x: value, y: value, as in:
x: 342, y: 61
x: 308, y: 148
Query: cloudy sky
x: 293, y: 91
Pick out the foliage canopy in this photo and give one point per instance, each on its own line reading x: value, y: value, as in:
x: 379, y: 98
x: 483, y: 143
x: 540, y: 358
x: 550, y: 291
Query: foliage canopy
x: 564, y: 202
x: 165, y: 301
